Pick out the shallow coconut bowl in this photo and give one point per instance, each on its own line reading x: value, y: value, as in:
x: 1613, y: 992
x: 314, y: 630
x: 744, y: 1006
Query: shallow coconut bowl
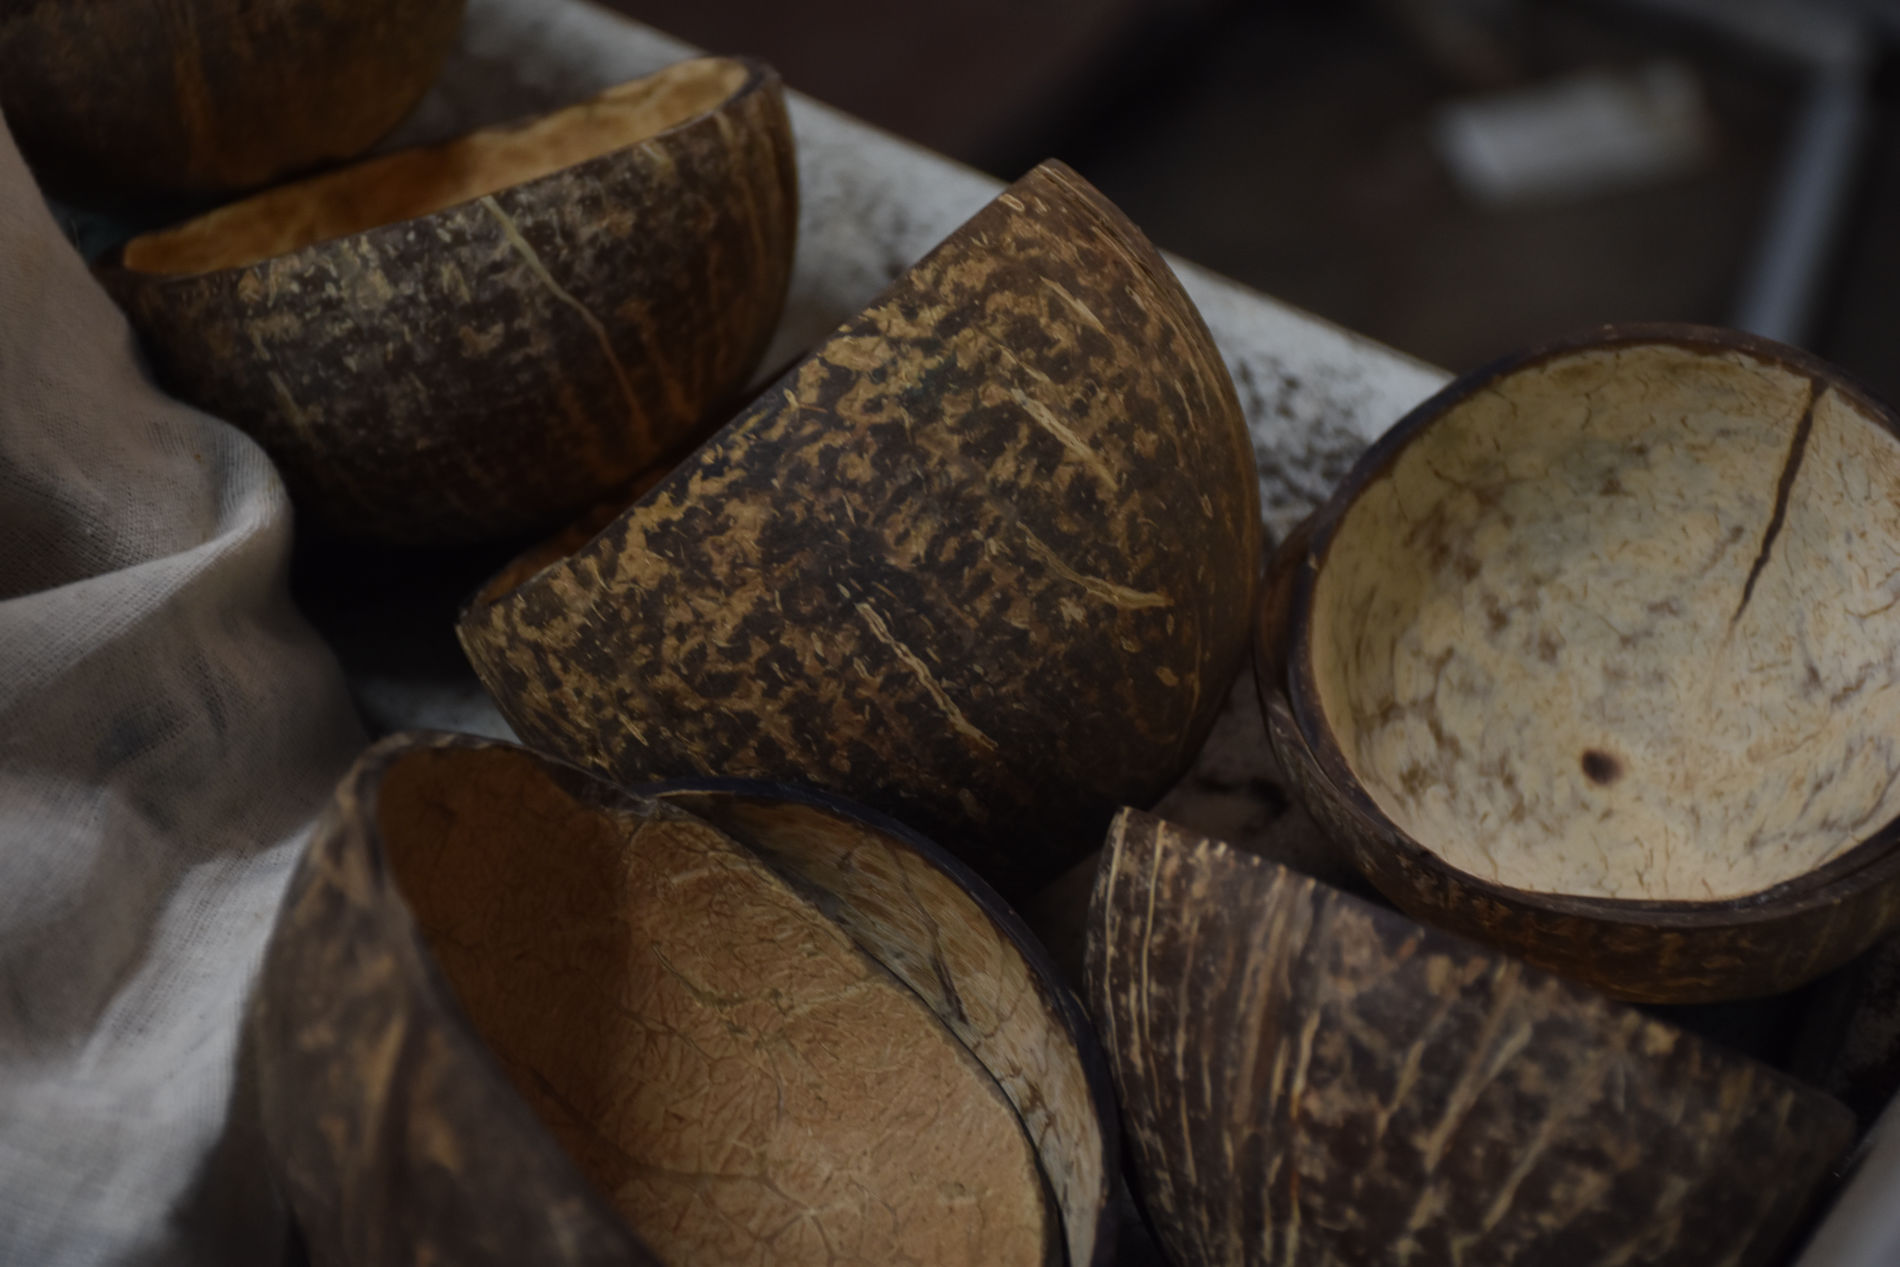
x: 983, y: 561
x: 124, y: 100
x: 1309, y: 1078
x: 513, y: 1014
x: 1592, y: 656
x: 479, y: 339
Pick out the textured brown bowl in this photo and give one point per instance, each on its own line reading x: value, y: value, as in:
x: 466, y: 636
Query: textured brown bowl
x: 512, y: 1014
x: 1307, y: 1078
x: 949, y: 937
x: 478, y: 339
x: 125, y: 99
x: 982, y: 561
x: 1591, y: 657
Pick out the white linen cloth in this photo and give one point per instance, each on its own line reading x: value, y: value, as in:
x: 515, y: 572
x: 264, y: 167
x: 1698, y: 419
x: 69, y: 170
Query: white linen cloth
x: 169, y: 729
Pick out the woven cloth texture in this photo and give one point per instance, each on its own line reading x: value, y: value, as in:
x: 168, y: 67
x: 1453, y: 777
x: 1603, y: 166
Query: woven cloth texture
x: 169, y: 730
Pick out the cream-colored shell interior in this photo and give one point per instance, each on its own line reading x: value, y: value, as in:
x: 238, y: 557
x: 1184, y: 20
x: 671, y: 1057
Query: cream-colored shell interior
x: 1625, y: 624
x: 739, y: 1081
x: 419, y: 182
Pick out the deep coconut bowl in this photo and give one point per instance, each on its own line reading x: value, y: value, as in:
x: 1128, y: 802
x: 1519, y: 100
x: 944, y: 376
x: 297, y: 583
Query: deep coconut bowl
x: 1309, y: 1078
x: 118, y: 101
x: 479, y: 339
x: 1592, y: 656
x: 947, y: 935
x: 510, y: 1013
x: 981, y: 561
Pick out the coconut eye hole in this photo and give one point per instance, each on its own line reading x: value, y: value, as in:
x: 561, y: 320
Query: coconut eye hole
x: 1601, y: 767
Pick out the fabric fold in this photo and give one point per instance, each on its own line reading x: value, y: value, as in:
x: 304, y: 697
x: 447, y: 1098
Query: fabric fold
x: 169, y: 730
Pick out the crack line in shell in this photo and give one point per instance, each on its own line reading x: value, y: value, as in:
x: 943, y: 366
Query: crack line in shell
x: 1123, y: 596
x: 922, y: 673
x: 1045, y: 418
x: 533, y: 260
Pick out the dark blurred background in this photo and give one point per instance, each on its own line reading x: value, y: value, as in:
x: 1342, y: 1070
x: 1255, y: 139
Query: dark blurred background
x: 1458, y: 178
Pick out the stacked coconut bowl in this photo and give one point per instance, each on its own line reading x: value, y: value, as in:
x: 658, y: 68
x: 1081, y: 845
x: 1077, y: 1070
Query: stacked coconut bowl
x: 1586, y: 668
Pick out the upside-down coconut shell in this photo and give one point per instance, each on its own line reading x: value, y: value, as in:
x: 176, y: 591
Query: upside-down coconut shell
x: 1307, y: 1078
x: 978, y: 562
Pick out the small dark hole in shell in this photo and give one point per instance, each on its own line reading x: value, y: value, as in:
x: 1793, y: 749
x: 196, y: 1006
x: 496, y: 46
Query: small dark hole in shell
x: 1600, y: 767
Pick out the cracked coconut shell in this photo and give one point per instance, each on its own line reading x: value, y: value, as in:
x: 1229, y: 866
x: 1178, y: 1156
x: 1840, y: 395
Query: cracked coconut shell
x: 130, y: 100
x: 512, y: 1014
x: 949, y: 937
x: 982, y: 561
x: 1594, y: 656
x: 1307, y: 1078
x: 479, y: 339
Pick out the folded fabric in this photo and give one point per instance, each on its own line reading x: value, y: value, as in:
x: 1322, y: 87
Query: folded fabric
x: 169, y: 728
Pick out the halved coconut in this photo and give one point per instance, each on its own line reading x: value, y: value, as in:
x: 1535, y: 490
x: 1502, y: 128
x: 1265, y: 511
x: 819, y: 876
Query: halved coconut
x: 512, y: 1014
x: 980, y: 561
x: 209, y: 96
x: 1592, y: 655
x: 482, y: 338
x: 948, y: 936
x: 1308, y: 1078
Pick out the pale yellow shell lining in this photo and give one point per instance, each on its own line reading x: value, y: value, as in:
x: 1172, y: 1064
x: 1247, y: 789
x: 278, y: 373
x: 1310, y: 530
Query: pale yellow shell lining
x: 419, y: 182
x: 1531, y: 641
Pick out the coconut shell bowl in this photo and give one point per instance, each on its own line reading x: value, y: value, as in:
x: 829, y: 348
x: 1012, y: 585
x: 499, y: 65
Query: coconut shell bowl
x: 984, y: 561
x: 478, y: 340
x: 1593, y: 656
x: 513, y: 1014
x: 117, y: 101
x: 1309, y: 1079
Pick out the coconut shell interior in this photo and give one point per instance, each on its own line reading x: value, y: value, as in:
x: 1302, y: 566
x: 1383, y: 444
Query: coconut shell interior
x: 947, y: 936
x: 738, y: 1080
x: 1624, y: 623
x: 419, y: 182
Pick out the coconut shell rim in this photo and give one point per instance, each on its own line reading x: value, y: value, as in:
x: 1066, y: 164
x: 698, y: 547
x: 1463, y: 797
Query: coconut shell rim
x: 1716, y: 1054
x: 760, y: 77
x: 1872, y: 861
x: 1065, y: 1002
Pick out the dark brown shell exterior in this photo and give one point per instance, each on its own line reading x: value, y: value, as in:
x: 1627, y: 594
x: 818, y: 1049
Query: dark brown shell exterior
x: 1307, y: 1078
x: 947, y: 935
x: 1641, y: 950
x: 497, y: 366
x: 979, y: 562
x: 122, y: 98
x: 395, y: 1136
